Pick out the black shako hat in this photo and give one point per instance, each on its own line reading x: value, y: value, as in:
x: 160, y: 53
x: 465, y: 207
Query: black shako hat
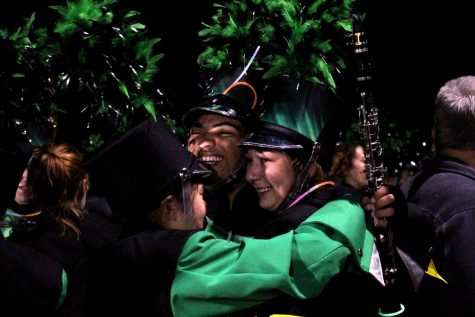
x: 296, y: 114
x: 15, y: 152
x: 229, y: 97
x: 137, y: 170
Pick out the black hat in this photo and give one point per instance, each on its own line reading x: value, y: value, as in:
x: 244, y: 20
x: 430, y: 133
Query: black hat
x: 296, y: 115
x: 137, y: 170
x: 31, y: 282
x: 228, y: 98
x: 15, y: 152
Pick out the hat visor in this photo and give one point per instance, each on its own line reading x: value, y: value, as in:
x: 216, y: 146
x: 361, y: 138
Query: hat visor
x: 275, y: 137
x: 198, y: 172
x: 192, y: 115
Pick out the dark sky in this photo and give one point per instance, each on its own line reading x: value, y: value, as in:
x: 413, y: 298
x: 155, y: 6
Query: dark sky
x: 418, y: 50
x: 414, y: 51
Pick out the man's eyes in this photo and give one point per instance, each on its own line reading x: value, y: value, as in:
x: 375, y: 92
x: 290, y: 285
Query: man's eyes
x: 225, y: 132
x: 216, y: 132
x: 196, y: 132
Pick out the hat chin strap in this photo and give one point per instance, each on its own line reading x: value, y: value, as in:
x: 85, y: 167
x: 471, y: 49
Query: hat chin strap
x: 186, y: 186
x: 302, y: 179
x: 231, y: 178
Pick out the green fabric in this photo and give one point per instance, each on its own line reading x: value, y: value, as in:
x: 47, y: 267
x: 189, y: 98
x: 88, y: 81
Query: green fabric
x: 358, y: 239
x: 215, y: 276
x: 221, y: 233
x: 7, y: 222
x: 301, y: 106
x: 64, y: 289
x: 6, y: 226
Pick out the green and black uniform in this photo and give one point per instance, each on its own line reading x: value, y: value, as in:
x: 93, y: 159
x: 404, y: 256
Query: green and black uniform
x: 217, y: 277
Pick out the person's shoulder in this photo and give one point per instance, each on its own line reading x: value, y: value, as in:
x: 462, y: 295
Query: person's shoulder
x: 452, y: 174
x: 99, y: 205
x: 343, y: 190
x: 153, y: 244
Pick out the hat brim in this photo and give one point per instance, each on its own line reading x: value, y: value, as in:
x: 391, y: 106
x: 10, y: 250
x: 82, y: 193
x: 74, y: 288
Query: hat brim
x: 275, y: 137
x: 220, y: 105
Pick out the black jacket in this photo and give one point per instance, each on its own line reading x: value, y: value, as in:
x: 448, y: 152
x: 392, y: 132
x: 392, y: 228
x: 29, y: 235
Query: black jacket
x: 97, y: 230
x: 131, y: 277
x: 31, y: 282
x: 441, y: 227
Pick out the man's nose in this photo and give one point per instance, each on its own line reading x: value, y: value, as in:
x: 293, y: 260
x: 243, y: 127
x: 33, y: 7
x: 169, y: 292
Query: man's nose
x: 206, y: 141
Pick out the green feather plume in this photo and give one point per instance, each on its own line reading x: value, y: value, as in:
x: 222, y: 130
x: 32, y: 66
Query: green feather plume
x: 302, y: 39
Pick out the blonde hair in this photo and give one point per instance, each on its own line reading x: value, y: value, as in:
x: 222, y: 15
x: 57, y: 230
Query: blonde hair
x: 58, y: 182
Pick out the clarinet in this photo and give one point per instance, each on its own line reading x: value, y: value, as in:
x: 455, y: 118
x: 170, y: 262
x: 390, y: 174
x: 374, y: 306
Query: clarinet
x: 376, y: 172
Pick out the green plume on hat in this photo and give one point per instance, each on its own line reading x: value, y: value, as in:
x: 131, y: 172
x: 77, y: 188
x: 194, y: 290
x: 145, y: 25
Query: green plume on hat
x: 301, y: 39
x: 303, y: 48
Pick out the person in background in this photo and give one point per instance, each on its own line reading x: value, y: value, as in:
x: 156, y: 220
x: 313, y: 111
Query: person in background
x: 215, y: 127
x: 148, y: 167
x: 441, y: 226
x: 23, y: 194
x: 18, y: 211
x: 330, y: 248
x: 30, y: 282
x: 15, y: 151
x: 62, y: 228
x: 348, y: 166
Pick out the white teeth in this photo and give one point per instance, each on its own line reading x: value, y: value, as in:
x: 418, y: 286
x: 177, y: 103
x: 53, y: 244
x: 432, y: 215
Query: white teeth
x: 262, y: 189
x: 210, y: 159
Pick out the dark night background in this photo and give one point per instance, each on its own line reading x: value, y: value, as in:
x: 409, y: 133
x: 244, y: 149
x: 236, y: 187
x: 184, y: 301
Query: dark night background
x: 414, y: 50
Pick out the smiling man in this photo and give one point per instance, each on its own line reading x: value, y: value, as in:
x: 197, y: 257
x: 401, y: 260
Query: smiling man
x: 214, y: 139
x: 215, y: 127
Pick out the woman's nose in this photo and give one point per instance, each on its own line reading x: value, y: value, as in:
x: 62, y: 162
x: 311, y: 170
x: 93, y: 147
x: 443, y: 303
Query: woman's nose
x: 253, y: 171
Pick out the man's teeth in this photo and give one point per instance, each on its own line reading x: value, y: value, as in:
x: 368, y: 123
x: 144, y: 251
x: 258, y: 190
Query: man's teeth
x: 210, y: 159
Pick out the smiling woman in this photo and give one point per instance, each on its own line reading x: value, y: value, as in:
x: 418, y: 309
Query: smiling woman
x: 294, y: 138
x: 273, y: 174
